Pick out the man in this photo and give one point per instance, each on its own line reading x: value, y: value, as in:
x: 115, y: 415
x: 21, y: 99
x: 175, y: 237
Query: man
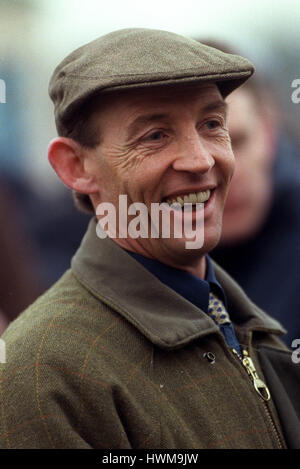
x: 133, y: 347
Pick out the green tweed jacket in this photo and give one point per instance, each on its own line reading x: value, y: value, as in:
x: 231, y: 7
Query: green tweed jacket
x: 110, y: 357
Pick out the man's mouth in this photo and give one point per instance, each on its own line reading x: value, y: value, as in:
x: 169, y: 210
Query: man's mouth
x: 191, y: 198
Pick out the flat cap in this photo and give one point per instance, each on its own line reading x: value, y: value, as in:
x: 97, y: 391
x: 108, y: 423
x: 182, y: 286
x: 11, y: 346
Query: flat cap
x: 134, y: 58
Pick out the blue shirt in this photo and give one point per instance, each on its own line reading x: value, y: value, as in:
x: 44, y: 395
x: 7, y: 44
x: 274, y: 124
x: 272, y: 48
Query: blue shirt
x: 192, y: 288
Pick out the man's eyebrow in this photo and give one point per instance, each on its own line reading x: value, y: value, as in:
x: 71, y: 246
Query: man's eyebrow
x: 142, y: 121
x: 149, y: 118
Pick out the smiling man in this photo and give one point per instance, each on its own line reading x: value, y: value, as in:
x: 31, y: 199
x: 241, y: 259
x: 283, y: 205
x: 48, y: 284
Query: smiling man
x: 157, y: 145
x: 144, y: 343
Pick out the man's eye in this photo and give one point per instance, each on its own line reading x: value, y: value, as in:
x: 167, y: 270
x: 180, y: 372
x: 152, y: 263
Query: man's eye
x: 213, y: 124
x: 155, y: 136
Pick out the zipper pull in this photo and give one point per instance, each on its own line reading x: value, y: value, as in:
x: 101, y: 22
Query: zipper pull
x: 260, y: 387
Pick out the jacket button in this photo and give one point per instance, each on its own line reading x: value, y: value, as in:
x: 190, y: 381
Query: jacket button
x: 210, y: 357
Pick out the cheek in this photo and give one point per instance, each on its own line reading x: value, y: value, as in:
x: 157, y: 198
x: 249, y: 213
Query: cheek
x: 231, y: 162
x: 105, y: 177
x: 228, y: 165
x: 222, y: 151
x: 113, y: 167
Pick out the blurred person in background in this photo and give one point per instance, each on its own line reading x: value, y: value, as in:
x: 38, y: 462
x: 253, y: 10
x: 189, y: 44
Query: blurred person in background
x: 21, y: 277
x: 56, y: 227
x: 260, y: 244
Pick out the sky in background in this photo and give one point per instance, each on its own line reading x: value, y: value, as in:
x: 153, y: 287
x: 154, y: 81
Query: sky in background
x: 81, y: 20
x: 37, y: 35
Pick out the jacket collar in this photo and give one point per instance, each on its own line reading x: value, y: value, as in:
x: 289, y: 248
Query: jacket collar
x: 157, y: 311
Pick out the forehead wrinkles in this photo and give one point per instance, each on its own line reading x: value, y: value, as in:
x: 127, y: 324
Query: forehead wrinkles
x: 123, y: 109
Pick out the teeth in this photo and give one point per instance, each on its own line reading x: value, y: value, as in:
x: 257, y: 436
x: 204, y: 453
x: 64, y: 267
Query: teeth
x: 203, y: 196
x: 191, y: 198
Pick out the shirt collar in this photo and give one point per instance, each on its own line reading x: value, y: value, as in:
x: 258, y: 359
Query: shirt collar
x: 189, y: 286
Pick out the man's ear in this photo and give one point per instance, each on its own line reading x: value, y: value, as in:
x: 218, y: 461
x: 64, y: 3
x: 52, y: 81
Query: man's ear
x: 67, y: 159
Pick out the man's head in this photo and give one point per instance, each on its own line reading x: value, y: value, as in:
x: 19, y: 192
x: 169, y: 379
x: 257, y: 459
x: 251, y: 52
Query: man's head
x: 142, y: 113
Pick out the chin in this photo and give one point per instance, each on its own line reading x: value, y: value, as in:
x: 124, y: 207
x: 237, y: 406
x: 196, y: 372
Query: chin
x: 178, y: 248
x: 212, y: 236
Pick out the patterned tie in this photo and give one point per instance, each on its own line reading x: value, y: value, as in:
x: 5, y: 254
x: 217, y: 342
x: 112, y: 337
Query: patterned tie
x: 217, y: 311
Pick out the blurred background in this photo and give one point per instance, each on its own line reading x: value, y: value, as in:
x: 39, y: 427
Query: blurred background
x: 40, y: 227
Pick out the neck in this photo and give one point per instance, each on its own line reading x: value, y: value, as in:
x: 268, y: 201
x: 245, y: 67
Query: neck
x: 196, y: 267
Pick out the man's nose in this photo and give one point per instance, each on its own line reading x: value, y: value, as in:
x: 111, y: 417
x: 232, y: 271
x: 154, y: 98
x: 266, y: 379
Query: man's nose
x: 193, y: 156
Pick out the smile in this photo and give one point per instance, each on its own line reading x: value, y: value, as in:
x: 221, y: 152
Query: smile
x: 191, y: 198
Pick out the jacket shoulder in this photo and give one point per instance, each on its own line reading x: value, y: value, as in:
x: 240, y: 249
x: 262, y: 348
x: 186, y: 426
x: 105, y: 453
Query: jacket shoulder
x: 55, y: 371
x: 66, y: 303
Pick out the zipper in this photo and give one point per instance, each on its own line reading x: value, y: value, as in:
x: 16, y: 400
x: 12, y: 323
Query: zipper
x: 260, y: 387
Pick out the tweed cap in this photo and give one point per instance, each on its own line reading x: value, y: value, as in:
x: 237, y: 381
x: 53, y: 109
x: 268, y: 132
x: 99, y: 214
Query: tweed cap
x: 135, y: 58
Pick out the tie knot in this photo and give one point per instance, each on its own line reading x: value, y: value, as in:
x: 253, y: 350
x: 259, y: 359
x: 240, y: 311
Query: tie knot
x: 217, y: 310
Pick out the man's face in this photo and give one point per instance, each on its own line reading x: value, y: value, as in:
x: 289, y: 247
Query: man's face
x: 159, y: 144
x: 250, y: 190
